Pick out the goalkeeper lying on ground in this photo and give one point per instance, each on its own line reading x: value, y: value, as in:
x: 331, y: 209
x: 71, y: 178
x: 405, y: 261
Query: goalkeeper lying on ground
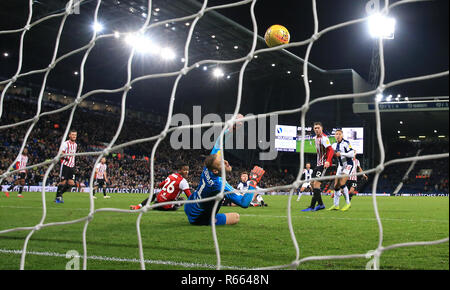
x: 210, y: 185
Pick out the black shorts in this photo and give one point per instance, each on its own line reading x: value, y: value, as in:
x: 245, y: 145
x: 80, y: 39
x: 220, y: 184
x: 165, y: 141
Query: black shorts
x: 67, y: 173
x: 99, y: 182
x: 352, y: 183
x: 319, y: 171
x: 22, y: 175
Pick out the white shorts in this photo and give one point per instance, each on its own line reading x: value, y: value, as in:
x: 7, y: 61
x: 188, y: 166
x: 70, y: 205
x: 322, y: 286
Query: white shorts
x: 344, y: 170
x: 306, y: 185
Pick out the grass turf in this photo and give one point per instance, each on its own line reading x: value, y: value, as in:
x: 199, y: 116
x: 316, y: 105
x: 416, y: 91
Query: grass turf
x: 260, y: 239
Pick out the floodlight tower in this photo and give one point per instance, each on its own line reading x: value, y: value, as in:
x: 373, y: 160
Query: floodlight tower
x: 380, y: 27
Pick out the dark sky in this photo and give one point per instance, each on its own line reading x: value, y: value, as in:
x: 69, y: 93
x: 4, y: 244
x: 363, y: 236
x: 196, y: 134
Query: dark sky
x: 420, y: 45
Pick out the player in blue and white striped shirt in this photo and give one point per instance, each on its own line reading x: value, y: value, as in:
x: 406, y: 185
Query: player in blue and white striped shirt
x: 344, y: 153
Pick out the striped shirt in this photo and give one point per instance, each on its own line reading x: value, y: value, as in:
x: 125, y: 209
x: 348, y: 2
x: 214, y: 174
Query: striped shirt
x: 353, y: 175
x: 322, y: 143
x: 69, y: 147
x: 346, y: 152
x: 21, y: 163
x: 308, y: 173
x: 101, y: 170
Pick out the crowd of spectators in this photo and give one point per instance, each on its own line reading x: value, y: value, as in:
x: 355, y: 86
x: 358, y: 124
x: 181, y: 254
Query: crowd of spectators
x: 427, y: 176
x: 127, y: 169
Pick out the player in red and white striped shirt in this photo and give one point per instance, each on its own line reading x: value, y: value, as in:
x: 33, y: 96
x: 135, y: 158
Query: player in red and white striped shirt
x: 101, y: 178
x: 67, y: 171
x: 171, y: 188
x: 352, y: 182
x: 325, y: 154
x: 21, y: 163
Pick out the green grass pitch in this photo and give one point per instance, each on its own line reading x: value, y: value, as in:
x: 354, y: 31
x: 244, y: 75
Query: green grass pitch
x: 260, y: 239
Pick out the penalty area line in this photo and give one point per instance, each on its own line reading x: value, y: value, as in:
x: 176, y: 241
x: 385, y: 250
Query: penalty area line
x: 116, y: 259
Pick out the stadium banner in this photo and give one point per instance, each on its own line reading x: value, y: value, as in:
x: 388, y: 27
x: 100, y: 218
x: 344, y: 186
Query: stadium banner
x: 31, y: 188
x: 118, y: 190
x: 402, y: 106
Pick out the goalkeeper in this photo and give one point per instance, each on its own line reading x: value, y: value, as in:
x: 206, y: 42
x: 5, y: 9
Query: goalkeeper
x: 210, y: 185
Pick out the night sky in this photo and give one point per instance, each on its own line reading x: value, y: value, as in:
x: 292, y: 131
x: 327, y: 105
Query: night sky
x: 420, y: 46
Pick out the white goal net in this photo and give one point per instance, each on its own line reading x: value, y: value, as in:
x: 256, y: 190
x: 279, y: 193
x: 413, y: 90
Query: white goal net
x: 73, y: 5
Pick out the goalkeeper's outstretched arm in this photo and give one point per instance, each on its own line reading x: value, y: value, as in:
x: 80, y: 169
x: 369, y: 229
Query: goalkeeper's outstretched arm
x: 245, y: 200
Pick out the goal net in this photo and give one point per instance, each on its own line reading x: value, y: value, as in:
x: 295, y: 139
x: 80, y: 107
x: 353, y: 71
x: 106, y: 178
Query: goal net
x: 73, y: 7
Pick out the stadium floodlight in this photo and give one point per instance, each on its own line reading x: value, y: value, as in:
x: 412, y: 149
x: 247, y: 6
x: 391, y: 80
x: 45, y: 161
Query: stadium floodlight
x: 5, y: 54
x: 389, y: 98
x: 381, y: 26
x: 379, y: 97
x: 218, y: 73
x: 167, y: 53
x: 142, y: 44
x: 97, y: 27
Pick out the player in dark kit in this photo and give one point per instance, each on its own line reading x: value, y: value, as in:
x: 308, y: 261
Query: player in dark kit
x: 325, y: 154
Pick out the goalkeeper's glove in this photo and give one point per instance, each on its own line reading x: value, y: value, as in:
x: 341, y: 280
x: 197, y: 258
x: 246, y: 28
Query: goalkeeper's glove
x: 255, y: 176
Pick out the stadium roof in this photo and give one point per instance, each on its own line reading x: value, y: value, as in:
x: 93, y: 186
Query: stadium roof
x: 215, y: 37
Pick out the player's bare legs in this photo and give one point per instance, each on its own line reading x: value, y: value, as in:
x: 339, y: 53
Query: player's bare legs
x: 21, y: 183
x: 339, y: 188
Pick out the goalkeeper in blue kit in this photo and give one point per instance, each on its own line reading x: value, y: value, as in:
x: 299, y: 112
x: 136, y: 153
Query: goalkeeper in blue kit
x: 210, y: 185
